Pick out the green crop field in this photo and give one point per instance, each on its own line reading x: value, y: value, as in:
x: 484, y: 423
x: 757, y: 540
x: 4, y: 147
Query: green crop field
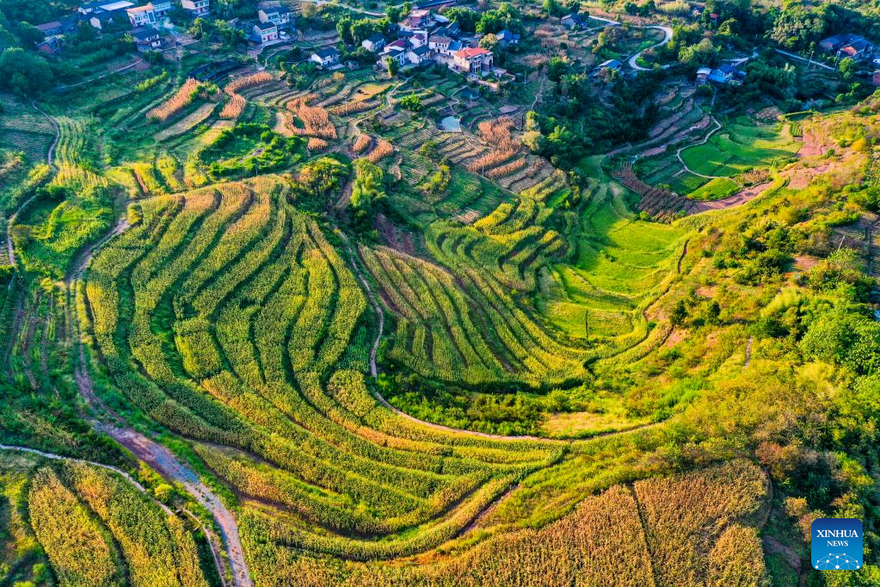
x: 742, y: 146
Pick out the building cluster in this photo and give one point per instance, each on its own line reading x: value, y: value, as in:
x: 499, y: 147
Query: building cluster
x: 853, y: 46
x: 143, y: 21
x: 274, y: 24
x: 425, y: 37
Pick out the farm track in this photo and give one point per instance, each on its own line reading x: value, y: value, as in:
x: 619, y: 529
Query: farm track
x: 149, y: 451
x: 701, y: 143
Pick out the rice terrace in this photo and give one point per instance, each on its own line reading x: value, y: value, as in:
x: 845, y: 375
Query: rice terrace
x: 438, y: 293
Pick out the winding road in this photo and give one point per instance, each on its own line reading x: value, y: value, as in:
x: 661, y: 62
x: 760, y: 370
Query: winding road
x: 667, y: 33
x: 154, y: 454
x: 320, y: 3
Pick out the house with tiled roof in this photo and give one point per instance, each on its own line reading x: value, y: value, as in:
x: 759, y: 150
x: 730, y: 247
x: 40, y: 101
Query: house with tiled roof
x: 474, y: 60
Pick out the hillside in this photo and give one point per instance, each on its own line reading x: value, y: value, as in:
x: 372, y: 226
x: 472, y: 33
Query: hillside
x: 265, y: 322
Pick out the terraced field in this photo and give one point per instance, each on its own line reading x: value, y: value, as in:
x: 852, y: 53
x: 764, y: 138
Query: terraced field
x: 244, y: 333
x: 742, y: 146
x: 619, y: 266
x: 266, y: 357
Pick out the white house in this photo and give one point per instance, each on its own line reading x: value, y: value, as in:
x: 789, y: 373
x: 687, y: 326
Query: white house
x: 264, y: 32
x: 374, y: 44
x: 440, y: 44
x: 161, y: 7
x: 326, y: 57
x: 140, y: 16
x: 196, y: 7
x: 105, y: 5
x: 147, y: 39
x: 418, y: 55
x: 278, y: 15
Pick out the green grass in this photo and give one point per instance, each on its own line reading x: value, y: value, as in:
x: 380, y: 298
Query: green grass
x: 740, y: 147
x: 716, y: 189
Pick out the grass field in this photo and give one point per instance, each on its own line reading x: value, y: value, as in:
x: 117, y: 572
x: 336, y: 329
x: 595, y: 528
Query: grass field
x: 741, y: 146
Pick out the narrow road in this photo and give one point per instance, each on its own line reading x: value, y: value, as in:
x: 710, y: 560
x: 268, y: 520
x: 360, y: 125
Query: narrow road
x: 804, y: 59
x: 667, y: 32
x: 703, y: 142
x: 135, y: 63
x: 320, y: 3
x: 157, y: 456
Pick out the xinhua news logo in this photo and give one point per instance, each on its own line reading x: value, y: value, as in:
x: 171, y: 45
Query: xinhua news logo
x: 836, y: 544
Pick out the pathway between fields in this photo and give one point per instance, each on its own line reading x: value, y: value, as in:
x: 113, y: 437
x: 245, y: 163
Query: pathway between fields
x: 320, y: 3
x: 50, y: 159
x: 57, y: 457
x: 804, y: 59
x: 701, y: 143
x: 135, y: 63
x: 155, y: 455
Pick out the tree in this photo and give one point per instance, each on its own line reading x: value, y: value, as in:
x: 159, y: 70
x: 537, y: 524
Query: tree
x: 848, y: 69
x: 393, y: 13
x: 392, y: 66
x: 412, y: 102
x: 489, y: 42
x: 464, y: 17
x: 553, y: 8
x: 309, y: 10
x: 533, y: 140
x: 796, y: 26
x: 343, y: 27
x: 556, y: 68
x: 703, y: 53
x: 230, y: 36
x: 200, y: 27
x: 29, y: 35
x: 367, y: 187
x: 504, y: 17
x: 25, y: 73
x: 679, y: 313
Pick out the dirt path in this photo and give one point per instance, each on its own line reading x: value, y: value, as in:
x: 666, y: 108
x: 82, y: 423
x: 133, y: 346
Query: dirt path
x: 50, y: 155
x: 55, y: 457
x: 50, y: 159
x: 738, y: 199
x: 351, y: 7
x: 157, y: 456
x: 135, y: 63
x: 703, y: 142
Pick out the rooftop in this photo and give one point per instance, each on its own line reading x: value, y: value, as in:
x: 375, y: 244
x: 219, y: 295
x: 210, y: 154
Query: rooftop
x: 472, y: 52
x: 144, y: 33
x: 118, y: 5
x: 327, y: 52
x: 264, y: 26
